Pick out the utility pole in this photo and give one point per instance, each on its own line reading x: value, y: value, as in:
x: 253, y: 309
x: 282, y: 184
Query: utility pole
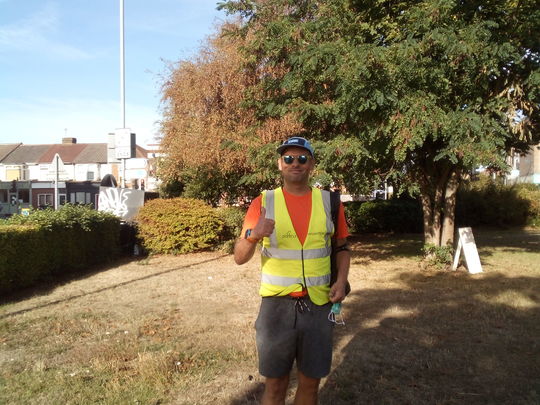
x: 122, y: 84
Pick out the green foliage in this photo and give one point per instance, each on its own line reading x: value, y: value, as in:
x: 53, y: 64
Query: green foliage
x: 487, y: 202
x: 233, y: 218
x: 415, y: 91
x: 171, y: 188
x: 531, y: 193
x: 48, y: 243
x: 438, y: 256
x: 178, y: 225
x: 396, y: 215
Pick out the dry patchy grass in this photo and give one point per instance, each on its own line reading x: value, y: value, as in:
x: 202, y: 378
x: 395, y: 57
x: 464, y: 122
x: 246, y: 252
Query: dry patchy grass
x: 179, y: 330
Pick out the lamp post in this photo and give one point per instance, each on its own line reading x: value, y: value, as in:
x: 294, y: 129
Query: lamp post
x: 122, y: 84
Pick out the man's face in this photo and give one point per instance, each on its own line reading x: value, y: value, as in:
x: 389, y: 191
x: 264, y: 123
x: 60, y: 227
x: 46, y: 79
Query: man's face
x: 296, y: 172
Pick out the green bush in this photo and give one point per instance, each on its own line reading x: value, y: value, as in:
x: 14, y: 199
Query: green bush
x: 233, y: 219
x: 531, y: 193
x: 487, y: 202
x: 178, y: 225
x: 396, y: 215
x: 438, y: 256
x: 48, y: 243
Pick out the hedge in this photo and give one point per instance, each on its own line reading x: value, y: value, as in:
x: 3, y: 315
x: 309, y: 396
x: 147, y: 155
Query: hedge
x: 487, y: 202
x: 178, y: 225
x: 49, y: 243
x: 397, y: 215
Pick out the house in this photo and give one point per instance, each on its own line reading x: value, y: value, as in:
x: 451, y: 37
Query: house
x: 28, y: 173
x: 526, y: 167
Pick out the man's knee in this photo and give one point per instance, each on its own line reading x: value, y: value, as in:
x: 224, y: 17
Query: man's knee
x: 275, y: 389
x: 307, y: 384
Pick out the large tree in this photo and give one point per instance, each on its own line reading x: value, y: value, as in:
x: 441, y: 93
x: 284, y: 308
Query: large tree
x: 207, y: 135
x: 420, y: 91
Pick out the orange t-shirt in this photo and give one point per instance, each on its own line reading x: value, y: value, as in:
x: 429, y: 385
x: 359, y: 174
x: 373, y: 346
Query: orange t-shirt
x: 299, y: 208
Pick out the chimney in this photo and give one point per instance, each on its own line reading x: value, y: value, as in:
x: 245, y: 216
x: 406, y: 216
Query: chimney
x: 69, y: 140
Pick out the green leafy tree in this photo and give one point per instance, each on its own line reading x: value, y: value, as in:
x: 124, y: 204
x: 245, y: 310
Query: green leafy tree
x: 420, y: 92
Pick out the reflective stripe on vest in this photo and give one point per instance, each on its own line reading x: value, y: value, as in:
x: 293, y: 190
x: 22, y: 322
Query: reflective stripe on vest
x: 287, y: 281
x: 287, y: 254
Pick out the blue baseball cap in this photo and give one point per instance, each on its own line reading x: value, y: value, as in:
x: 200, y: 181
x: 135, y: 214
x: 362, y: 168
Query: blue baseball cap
x: 297, y: 142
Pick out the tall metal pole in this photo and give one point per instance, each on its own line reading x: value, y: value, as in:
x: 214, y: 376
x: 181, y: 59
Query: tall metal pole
x: 122, y: 67
x: 122, y: 84
x: 56, y: 179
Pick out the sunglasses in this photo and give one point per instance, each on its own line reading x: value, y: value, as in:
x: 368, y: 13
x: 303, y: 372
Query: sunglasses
x: 289, y: 159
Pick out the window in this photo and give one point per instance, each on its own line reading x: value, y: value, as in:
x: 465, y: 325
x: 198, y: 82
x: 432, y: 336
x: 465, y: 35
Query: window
x: 13, y: 173
x: 24, y: 195
x: 80, y: 197
x: 45, y: 200
x: 89, y: 175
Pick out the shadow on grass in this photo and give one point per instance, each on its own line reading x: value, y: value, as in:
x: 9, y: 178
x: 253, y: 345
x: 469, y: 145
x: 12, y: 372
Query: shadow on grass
x: 43, y: 290
x: 375, y: 247
x: 48, y: 284
x: 446, y: 338
x: 510, y: 240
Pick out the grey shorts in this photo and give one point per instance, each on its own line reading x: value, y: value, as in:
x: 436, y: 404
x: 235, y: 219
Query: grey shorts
x: 286, y: 332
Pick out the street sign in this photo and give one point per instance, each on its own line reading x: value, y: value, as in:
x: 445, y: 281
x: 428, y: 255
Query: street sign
x: 124, y: 143
x: 57, y: 166
x: 467, y: 244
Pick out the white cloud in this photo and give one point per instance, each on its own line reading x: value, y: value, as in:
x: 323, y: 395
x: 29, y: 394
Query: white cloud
x: 34, y: 34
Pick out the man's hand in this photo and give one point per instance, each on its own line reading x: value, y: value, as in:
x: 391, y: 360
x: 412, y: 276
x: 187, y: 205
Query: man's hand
x: 244, y: 249
x: 264, y: 227
x: 337, y: 291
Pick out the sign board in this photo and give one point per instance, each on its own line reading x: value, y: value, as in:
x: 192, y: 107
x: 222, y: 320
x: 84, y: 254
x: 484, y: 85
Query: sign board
x: 467, y: 244
x: 122, y: 202
x: 57, y: 165
x: 124, y: 144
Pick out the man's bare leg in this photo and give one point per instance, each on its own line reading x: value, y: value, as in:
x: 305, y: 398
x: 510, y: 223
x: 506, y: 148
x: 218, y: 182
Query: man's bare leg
x: 275, y: 390
x: 308, y: 390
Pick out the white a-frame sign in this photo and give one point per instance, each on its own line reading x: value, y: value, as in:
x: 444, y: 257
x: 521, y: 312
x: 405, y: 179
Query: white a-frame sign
x: 467, y: 244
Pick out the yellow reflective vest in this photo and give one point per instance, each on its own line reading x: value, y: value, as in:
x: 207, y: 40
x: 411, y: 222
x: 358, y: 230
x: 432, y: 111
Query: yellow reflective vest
x: 287, y: 265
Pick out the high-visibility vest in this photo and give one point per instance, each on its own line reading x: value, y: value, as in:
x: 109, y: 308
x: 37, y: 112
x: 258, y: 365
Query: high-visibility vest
x: 287, y: 265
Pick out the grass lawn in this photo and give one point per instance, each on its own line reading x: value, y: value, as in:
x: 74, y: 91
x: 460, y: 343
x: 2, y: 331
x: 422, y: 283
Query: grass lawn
x: 179, y: 330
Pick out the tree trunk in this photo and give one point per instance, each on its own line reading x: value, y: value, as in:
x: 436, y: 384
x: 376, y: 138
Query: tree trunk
x: 447, y: 236
x: 438, y: 196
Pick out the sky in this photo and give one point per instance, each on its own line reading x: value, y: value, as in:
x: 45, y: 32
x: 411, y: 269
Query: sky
x: 60, y: 65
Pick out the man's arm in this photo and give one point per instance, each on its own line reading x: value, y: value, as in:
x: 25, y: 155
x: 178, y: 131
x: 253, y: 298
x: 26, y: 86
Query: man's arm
x: 244, y: 248
x: 343, y: 262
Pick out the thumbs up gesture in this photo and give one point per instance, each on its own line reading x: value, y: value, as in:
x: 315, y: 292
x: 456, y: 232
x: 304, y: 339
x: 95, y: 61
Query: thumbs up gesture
x: 264, y: 227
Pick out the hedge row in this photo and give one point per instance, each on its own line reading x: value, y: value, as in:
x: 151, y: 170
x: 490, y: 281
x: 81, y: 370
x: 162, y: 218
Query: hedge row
x: 488, y: 202
x: 401, y: 216
x: 50, y: 243
x: 481, y: 203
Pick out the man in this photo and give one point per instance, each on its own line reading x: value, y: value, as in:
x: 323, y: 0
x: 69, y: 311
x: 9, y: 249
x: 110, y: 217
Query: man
x: 295, y: 226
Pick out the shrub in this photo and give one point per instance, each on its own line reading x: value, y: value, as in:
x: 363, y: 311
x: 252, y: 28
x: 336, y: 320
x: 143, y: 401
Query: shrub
x: 487, y: 202
x: 438, y: 256
x: 48, y: 243
x: 178, y: 225
x: 233, y: 219
x: 394, y: 215
x: 531, y: 193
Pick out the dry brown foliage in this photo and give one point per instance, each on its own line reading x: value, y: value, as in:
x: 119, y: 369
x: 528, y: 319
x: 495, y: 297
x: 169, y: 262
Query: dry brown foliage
x: 204, y: 122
